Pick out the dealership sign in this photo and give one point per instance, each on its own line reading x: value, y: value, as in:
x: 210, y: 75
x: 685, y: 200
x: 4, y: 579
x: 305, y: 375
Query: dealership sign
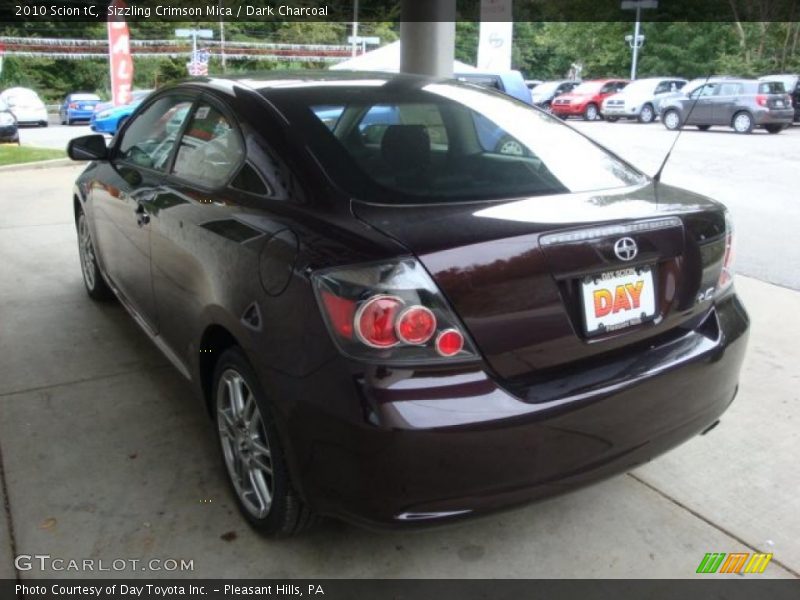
x: 119, y: 55
x: 497, y: 26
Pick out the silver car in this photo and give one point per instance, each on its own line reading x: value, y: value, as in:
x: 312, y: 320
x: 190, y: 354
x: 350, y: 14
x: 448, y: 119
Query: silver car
x: 742, y: 104
x: 638, y: 100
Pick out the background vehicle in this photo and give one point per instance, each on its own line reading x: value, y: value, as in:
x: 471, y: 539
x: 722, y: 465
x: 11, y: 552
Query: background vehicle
x: 8, y: 124
x: 357, y: 311
x: 742, y: 104
x: 638, y: 99
x: 26, y: 105
x: 77, y: 106
x: 585, y: 99
x: 686, y: 90
x: 791, y: 83
x: 136, y: 95
x: 111, y: 119
x: 510, y: 82
x: 542, y: 95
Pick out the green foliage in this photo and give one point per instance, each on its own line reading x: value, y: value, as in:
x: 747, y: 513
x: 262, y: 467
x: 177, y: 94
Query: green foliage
x: 541, y: 49
x: 14, y: 155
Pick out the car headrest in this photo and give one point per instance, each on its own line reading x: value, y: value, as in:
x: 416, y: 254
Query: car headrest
x: 406, y: 146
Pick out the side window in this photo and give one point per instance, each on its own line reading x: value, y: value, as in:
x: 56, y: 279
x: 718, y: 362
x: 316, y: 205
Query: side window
x: 150, y: 137
x: 662, y: 88
x: 210, y: 149
x: 707, y: 90
x: 621, y: 85
x: 730, y: 89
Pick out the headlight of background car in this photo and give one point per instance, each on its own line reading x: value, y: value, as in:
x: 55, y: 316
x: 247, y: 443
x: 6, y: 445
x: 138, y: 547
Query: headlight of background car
x: 6, y: 120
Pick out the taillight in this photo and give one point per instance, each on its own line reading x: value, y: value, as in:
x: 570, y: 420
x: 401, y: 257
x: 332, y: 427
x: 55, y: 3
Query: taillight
x: 761, y: 99
x: 73, y: 105
x: 726, y: 275
x: 390, y: 312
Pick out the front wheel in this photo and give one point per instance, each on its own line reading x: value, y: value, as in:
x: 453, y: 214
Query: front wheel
x: 774, y: 128
x: 252, y: 452
x: 672, y: 120
x: 742, y: 123
x: 647, y: 114
x: 591, y: 113
x: 96, y: 286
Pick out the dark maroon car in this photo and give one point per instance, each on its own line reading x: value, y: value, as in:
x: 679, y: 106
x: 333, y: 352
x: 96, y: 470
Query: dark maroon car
x: 390, y: 320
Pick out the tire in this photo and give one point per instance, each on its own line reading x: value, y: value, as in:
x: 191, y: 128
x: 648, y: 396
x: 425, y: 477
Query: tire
x: 252, y: 454
x: 70, y: 122
x: 508, y: 145
x: 647, y: 114
x: 774, y: 128
x: 63, y: 120
x: 591, y: 113
x: 43, y: 124
x: 93, y: 280
x: 672, y: 119
x: 704, y: 127
x: 742, y: 122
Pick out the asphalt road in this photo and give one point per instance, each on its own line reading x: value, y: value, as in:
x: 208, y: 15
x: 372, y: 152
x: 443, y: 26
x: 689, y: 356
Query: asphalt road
x: 754, y: 175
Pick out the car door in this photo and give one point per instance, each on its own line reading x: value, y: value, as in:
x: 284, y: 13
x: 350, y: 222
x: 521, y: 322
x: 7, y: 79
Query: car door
x: 121, y: 206
x: 198, y: 226
x: 700, y: 107
x: 726, y: 102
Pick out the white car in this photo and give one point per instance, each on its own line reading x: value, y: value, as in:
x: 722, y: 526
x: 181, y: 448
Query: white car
x: 639, y: 99
x: 26, y: 106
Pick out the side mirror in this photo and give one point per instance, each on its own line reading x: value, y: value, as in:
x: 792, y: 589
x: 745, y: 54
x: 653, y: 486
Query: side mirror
x: 88, y: 147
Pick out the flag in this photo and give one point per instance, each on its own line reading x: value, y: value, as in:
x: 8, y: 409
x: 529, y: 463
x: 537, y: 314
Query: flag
x: 119, y: 56
x: 198, y: 65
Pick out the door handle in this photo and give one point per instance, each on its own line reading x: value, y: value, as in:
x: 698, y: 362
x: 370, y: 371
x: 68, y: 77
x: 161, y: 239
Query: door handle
x: 142, y: 218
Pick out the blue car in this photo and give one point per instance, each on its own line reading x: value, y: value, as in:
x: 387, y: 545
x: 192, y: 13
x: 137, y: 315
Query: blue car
x: 109, y: 120
x: 77, y: 107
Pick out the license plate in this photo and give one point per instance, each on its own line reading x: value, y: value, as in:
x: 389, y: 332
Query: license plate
x: 618, y: 299
x: 779, y: 103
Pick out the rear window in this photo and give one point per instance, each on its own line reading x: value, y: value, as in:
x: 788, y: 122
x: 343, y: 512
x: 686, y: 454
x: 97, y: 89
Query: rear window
x: 449, y: 142
x: 84, y: 97
x: 771, y: 87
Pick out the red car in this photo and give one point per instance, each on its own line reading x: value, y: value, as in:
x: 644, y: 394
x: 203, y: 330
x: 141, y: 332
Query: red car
x: 586, y: 99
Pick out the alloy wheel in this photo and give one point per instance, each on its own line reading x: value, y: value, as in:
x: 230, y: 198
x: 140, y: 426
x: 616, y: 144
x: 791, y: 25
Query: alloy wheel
x: 245, y: 445
x: 672, y: 120
x: 591, y: 112
x: 646, y: 114
x: 742, y: 123
x: 86, y: 253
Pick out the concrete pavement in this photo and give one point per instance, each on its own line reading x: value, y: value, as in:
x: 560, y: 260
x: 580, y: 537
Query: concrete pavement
x: 108, y: 455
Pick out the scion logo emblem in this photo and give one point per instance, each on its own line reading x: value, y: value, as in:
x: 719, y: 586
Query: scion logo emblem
x: 626, y: 249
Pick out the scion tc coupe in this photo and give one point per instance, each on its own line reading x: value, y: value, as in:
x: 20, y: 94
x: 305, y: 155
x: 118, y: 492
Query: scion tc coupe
x: 400, y: 325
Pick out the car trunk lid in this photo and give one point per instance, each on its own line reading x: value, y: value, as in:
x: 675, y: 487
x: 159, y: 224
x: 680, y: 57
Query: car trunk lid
x: 514, y: 270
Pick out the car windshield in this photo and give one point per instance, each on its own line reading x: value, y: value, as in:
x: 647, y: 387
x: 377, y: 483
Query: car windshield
x: 545, y: 89
x: 448, y: 142
x: 589, y: 87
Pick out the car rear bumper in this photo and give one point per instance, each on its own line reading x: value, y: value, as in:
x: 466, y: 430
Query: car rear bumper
x: 430, y: 447
x: 79, y: 115
x: 774, y: 117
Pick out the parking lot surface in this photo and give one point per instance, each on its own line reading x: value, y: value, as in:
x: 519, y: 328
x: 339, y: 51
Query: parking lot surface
x: 106, y: 453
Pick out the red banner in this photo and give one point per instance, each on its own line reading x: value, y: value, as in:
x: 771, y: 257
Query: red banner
x: 119, y: 56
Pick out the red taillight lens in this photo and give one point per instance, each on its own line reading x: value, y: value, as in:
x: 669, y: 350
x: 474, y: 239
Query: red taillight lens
x: 341, y: 312
x: 761, y: 100
x: 73, y: 105
x: 390, y: 312
x: 416, y: 325
x: 450, y: 342
x: 375, y: 321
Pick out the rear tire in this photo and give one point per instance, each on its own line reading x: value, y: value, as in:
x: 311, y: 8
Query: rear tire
x: 672, y: 120
x: 647, y: 114
x: 742, y: 122
x: 96, y: 286
x: 591, y: 113
x: 774, y: 128
x: 252, y: 453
